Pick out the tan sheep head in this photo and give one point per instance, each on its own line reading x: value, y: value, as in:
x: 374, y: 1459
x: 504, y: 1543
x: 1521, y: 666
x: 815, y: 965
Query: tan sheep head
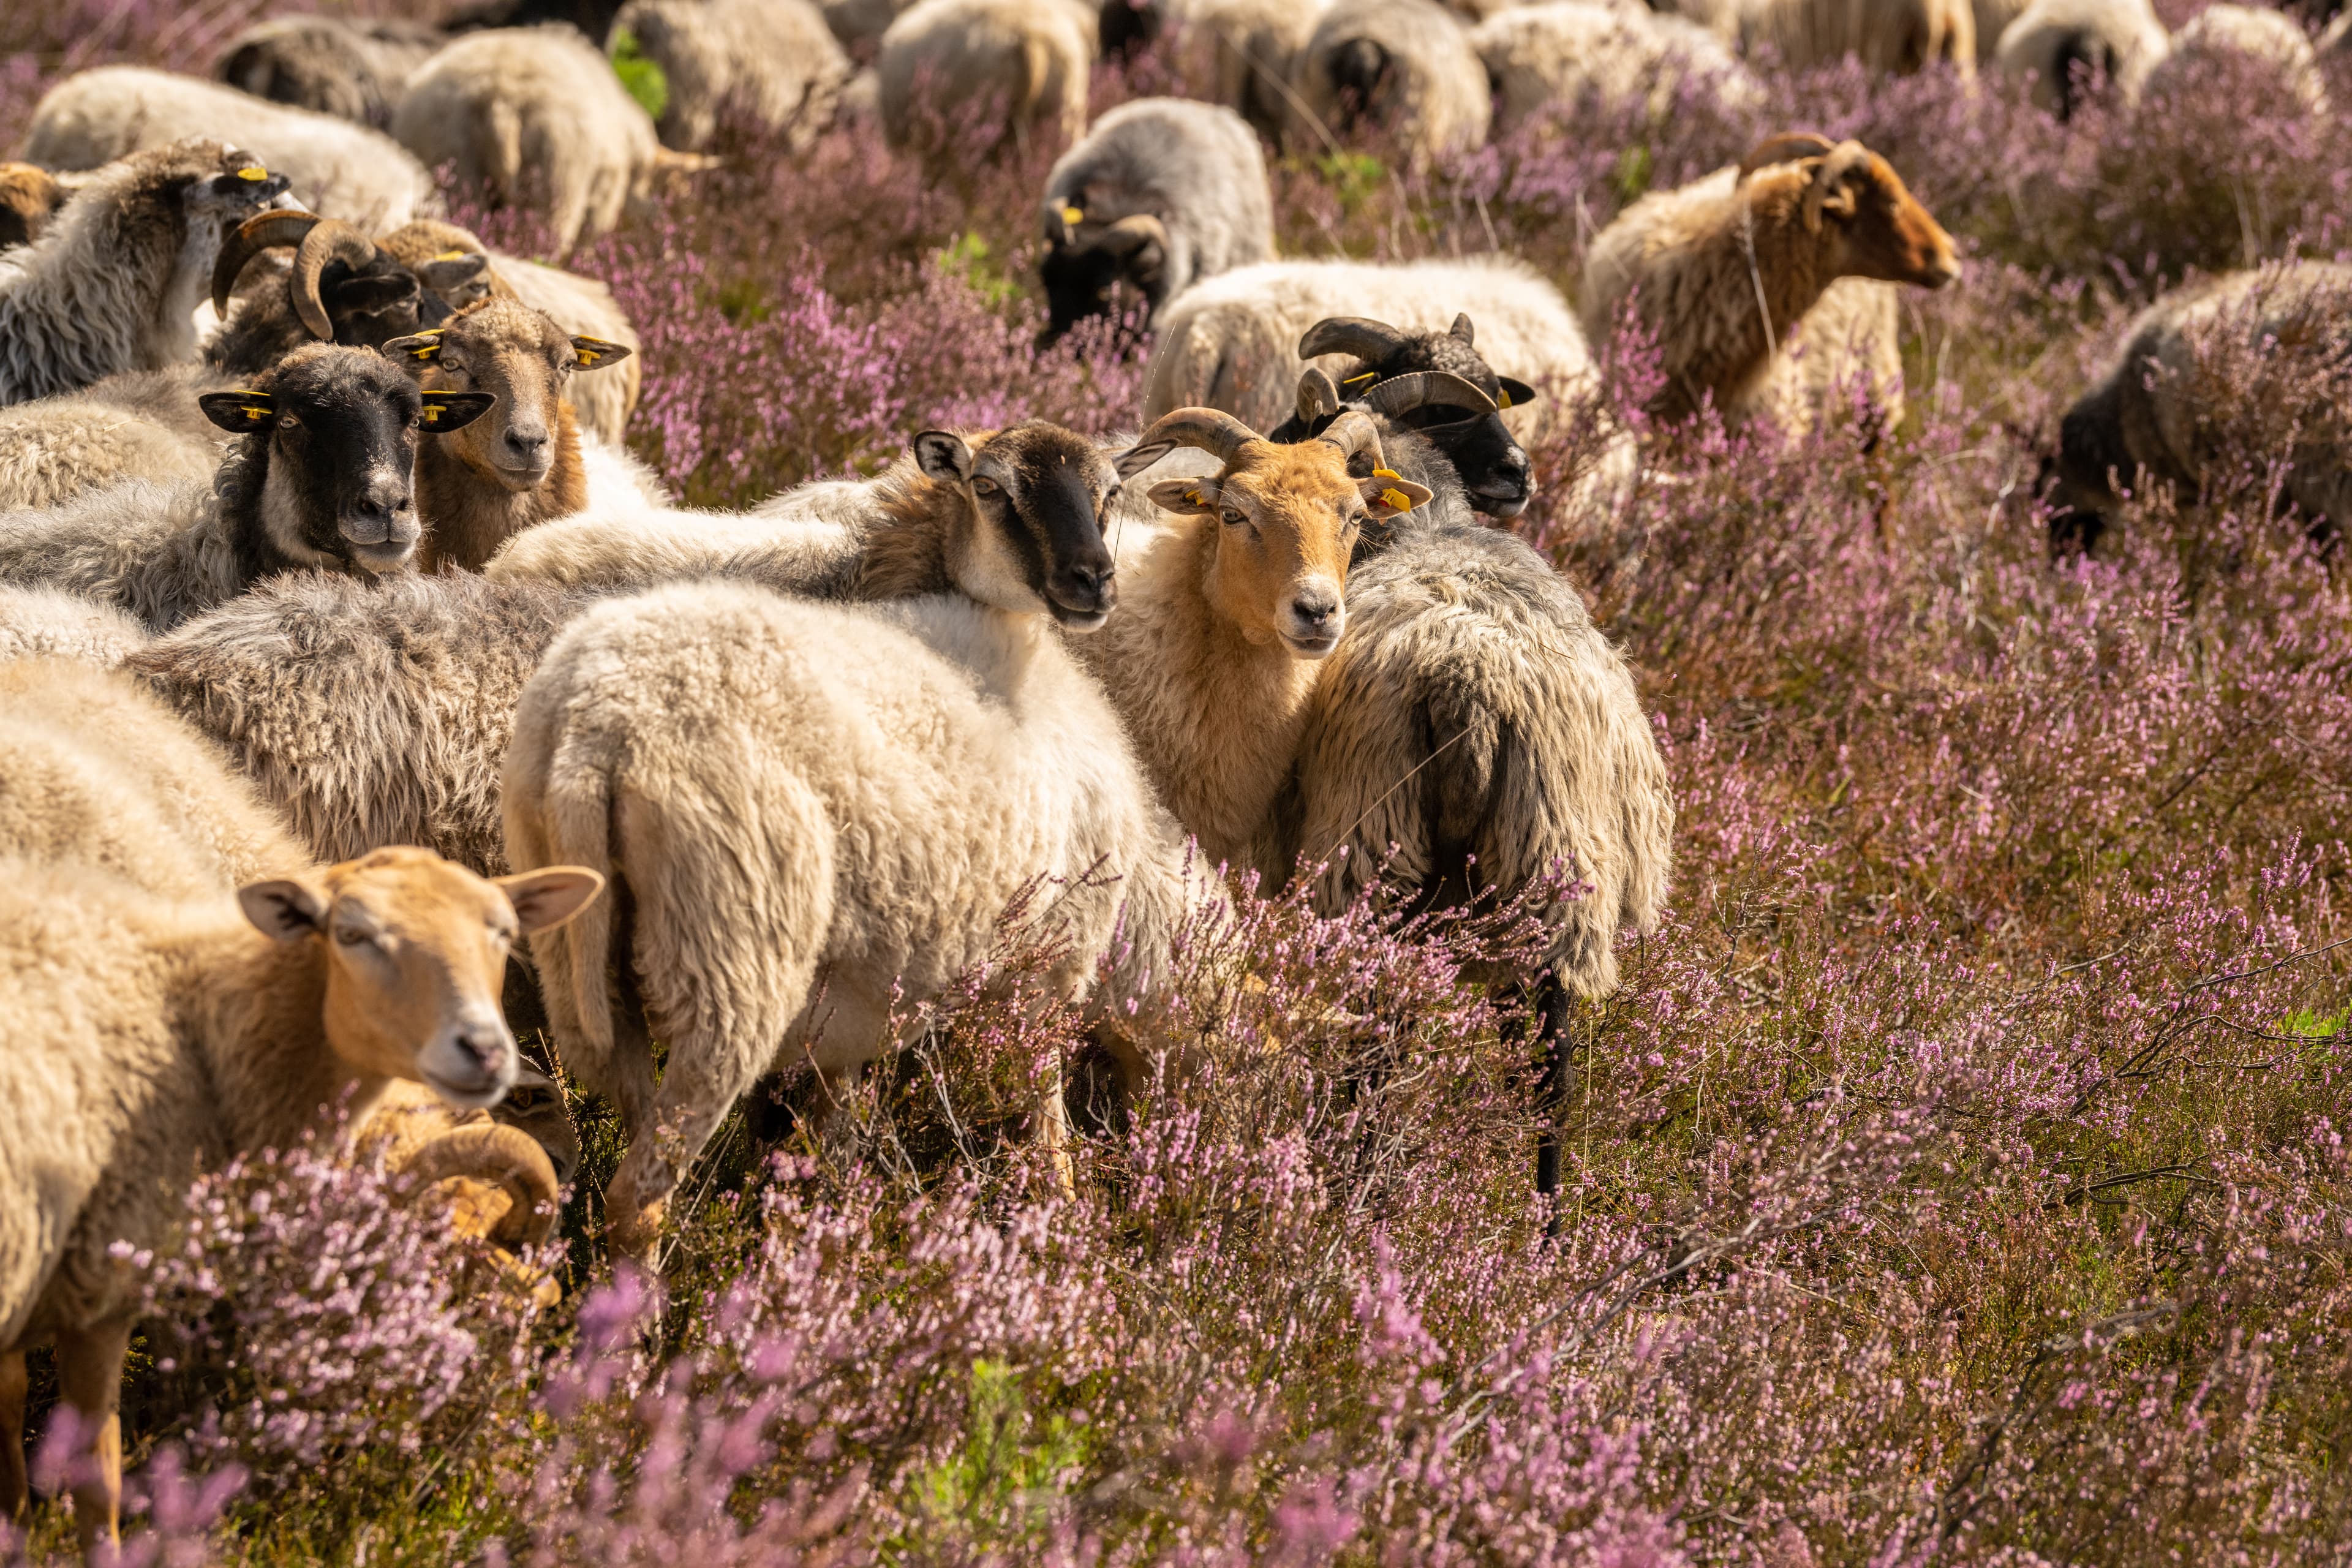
x: 1853, y: 197
x: 1288, y: 516
x: 415, y: 950
x: 29, y: 195
x: 523, y: 359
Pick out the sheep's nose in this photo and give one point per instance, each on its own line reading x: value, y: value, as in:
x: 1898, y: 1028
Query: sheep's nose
x: 526, y: 446
x: 371, y: 516
x: 1091, y: 587
x: 1317, y: 614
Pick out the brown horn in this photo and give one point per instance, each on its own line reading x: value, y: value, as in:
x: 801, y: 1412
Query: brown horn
x: 1368, y: 340
x: 1212, y: 430
x: 256, y: 234
x: 1354, y: 432
x: 1316, y: 394
x: 495, y: 1153
x: 1404, y: 394
x: 1131, y: 234
x: 1786, y: 148
x: 331, y: 241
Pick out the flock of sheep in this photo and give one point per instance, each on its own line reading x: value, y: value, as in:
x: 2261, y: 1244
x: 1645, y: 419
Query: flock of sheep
x: 317, y: 537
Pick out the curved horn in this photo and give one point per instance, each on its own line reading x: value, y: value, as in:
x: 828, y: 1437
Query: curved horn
x: 1316, y: 394
x: 1131, y: 234
x: 506, y: 1156
x: 255, y: 235
x: 330, y: 239
x: 1212, y: 430
x: 1786, y: 148
x: 1404, y: 394
x: 1354, y: 432
x: 1368, y: 340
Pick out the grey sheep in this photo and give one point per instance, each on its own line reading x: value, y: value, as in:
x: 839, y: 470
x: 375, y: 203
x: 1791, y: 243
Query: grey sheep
x: 351, y: 68
x: 1556, y: 54
x: 1405, y: 66
x: 1027, y: 60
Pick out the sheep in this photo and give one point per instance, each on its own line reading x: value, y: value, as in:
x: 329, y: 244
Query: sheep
x: 2061, y: 46
x: 140, y: 425
x: 1163, y: 192
x: 341, y: 170
x: 1404, y: 65
x: 1702, y: 264
x: 1237, y: 53
x: 519, y: 464
x: 1232, y: 343
x: 533, y: 117
x: 1228, y: 611
x: 2262, y: 50
x: 794, y: 791
x: 373, y: 713
x: 321, y: 477
x: 1540, y: 56
x: 112, y: 283
x: 160, y: 1036
x: 29, y: 197
x: 50, y: 623
x: 856, y: 23
x: 1025, y: 60
x: 2156, y: 417
x: 1897, y: 37
x: 584, y: 305
x: 776, y: 58
x: 341, y: 287
x: 497, y: 1174
x: 351, y: 70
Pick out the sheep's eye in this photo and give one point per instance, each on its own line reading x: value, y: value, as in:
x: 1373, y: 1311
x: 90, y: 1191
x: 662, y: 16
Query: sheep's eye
x: 352, y: 936
x: 503, y: 935
x: 288, y: 422
x: 1233, y: 517
x: 984, y: 486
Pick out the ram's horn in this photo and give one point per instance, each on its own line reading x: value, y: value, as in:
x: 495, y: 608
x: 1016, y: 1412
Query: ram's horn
x: 330, y: 239
x: 1368, y: 340
x: 1404, y: 394
x: 256, y: 234
x: 1354, y: 432
x: 1316, y: 394
x: 1131, y: 234
x: 503, y: 1156
x: 1786, y: 148
x: 1212, y: 431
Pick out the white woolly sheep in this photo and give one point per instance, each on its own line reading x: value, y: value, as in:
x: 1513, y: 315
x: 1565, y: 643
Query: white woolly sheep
x: 1898, y: 37
x: 1027, y: 60
x: 2065, y: 45
x: 1724, y: 270
x: 50, y: 623
x: 1405, y: 66
x: 141, y: 424
x: 2253, y: 46
x: 1540, y: 56
x: 351, y: 68
x: 339, y: 169
x: 163, y: 1037
x: 321, y: 477
x: 534, y: 118
x: 774, y: 59
x: 114, y: 282
x: 1237, y: 53
x: 1162, y: 192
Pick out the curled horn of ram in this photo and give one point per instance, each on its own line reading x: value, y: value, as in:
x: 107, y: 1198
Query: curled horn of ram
x: 343, y: 288
x: 1418, y: 415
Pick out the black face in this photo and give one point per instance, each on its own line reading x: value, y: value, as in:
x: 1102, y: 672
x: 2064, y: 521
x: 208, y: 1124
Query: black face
x: 1078, y: 284
x: 374, y: 304
x: 1492, y: 466
x: 1047, y: 491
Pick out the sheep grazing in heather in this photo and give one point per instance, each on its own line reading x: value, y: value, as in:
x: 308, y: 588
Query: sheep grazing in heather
x: 519, y: 464
x: 29, y: 197
x: 1558, y: 54
x: 1021, y: 65
x: 339, y: 169
x: 2067, y: 47
x: 320, y: 477
x: 2224, y: 364
x: 774, y: 60
x: 1228, y: 610
x: 162, y: 1036
x: 1163, y: 192
x: 2260, y: 52
x: 1896, y: 37
x: 1405, y: 66
x: 114, y: 282
x: 351, y: 68
x: 1724, y: 271
x: 534, y: 118
x: 1236, y: 53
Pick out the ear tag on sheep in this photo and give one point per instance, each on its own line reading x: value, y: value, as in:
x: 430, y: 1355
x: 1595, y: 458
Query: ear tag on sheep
x: 1386, y: 474
x: 1369, y: 376
x: 253, y: 171
x: 1074, y: 215
x: 239, y: 410
x: 1503, y: 399
x: 1397, y: 500
x: 1196, y: 497
x: 453, y: 256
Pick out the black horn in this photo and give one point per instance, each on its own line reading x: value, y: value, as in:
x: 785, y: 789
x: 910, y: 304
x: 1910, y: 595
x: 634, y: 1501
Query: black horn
x: 1368, y: 340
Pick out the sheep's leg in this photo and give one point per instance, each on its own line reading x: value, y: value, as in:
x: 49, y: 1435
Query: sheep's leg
x: 694, y: 1098
x: 1053, y: 1126
x: 90, y: 1375
x: 14, y: 1493
x: 1551, y: 1085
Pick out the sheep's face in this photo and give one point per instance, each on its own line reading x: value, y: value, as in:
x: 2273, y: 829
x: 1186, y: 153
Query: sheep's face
x: 414, y: 949
x: 28, y: 195
x: 522, y: 359
x: 1878, y: 228
x: 338, y: 429
x: 1287, y: 521
x: 1493, y: 467
x: 1035, y: 499
x: 1084, y: 263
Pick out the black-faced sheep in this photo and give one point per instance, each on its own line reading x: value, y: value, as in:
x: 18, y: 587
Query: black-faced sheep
x: 534, y: 118
x: 1162, y: 192
x: 2068, y: 47
x: 1022, y: 64
x: 774, y: 60
x: 1724, y: 270
x: 1539, y: 57
x: 351, y: 68
x: 113, y: 282
x: 1405, y: 66
x: 321, y: 477
x: 340, y: 169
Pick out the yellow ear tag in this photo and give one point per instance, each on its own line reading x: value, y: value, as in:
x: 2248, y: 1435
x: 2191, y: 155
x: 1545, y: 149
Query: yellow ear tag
x: 1386, y: 474
x: 1397, y: 499
x: 255, y: 413
x: 1368, y: 375
x: 1074, y: 215
x: 453, y: 256
x: 253, y: 171
x: 1502, y: 400
x: 1196, y: 497
x: 588, y: 357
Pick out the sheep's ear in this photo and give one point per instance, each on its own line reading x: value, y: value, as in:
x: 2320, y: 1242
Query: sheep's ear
x: 1462, y: 329
x: 239, y: 411
x: 544, y: 900
x: 1514, y: 394
x: 424, y: 348
x: 595, y: 353
x: 447, y: 411
x: 1189, y: 498
x: 943, y: 456
x: 283, y: 909
x: 1389, y: 493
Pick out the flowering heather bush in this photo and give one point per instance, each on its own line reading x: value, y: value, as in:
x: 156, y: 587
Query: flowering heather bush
x: 1959, y: 1177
